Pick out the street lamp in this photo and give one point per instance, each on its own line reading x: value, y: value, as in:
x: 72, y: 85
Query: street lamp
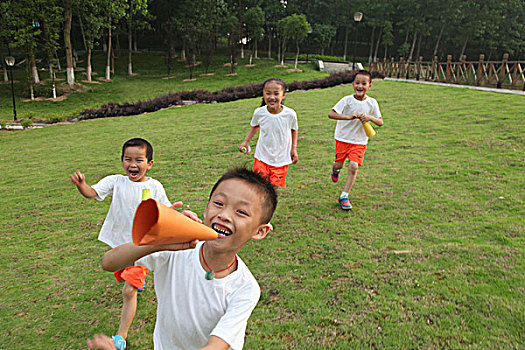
x: 358, y: 16
x: 10, y: 61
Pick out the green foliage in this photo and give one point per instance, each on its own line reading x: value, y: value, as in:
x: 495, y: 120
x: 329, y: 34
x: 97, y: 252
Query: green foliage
x: 294, y: 27
x: 442, y: 180
x: 322, y: 35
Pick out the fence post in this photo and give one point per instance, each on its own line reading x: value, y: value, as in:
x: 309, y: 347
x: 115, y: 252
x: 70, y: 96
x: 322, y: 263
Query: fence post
x: 434, y: 64
x: 480, y: 69
x: 461, y: 68
x: 449, y: 67
x: 418, y: 67
x: 401, y: 65
x: 503, y: 68
x: 391, y: 67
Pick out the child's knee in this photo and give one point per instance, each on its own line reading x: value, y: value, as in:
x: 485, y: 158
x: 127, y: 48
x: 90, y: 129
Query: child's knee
x: 338, y: 165
x: 353, y: 166
x: 128, y: 291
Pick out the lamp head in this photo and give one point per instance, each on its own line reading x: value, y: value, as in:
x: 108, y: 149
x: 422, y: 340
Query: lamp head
x: 358, y: 16
x: 10, y: 61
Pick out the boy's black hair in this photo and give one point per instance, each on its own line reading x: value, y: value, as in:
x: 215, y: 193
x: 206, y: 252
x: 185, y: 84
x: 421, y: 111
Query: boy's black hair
x: 278, y: 81
x: 138, y: 142
x: 262, y: 185
x: 362, y: 72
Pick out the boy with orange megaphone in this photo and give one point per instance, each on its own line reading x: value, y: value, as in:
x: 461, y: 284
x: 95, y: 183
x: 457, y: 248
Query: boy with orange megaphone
x: 205, y: 292
x: 353, y: 114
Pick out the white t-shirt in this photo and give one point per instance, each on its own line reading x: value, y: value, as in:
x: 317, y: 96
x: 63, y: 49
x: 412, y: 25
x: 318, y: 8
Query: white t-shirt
x: 127, y: 196
x: 352, y: 131
x: 275, y: 135
x: 190, y: 308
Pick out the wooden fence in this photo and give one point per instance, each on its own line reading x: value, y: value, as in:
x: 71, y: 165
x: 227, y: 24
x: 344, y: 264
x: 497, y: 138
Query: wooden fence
x: 501, y: 74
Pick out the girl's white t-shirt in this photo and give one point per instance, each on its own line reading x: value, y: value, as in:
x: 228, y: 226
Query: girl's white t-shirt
x: 275, y: 135
x: 126, y: 197
x: 190, y: 308
x: 352, y: 131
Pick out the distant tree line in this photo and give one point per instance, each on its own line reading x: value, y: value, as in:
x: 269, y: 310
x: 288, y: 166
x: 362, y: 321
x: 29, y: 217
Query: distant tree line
x: 46, y: 30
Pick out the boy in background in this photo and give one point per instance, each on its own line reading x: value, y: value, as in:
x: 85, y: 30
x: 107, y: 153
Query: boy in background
x: 350, y: 137
x: 126, y: 191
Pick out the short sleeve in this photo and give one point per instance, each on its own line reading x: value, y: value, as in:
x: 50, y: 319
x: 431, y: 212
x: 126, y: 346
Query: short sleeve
x: 154, y: 261
x: 255, y: 118
x: 376, y: 112
x: 105, y: 187
x: 161, y: 196
x: 232, y: 326
x: 294, y: 124
x: 339, y: 106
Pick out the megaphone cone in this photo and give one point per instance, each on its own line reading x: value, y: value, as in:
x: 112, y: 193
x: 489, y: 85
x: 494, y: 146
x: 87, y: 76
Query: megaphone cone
x: 155, y: 223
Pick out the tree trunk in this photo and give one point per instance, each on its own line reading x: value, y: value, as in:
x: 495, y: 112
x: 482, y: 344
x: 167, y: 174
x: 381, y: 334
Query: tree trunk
x: 88, y: 63
x: 130, y: 38
x: 68, y: 14
x: 412, y: 47
x: 297, y: 54
x: 377, y: 44
x: 34, y: 70
x: 108, y: 53
x: 371, y: 51
x: 83, y: 34
x: 464, y: 47
x: 346, y: 43
x: 438, y: 40
x: 255, y: 49
x: 269, y: 46
x: 279, y: 44
x: 419, y: 45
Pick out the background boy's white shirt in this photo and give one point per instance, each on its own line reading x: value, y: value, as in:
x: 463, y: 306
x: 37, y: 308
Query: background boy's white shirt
x: 126, y: 197
x: 190, y: 308
x: 275, y: 135
x: 352, y: 131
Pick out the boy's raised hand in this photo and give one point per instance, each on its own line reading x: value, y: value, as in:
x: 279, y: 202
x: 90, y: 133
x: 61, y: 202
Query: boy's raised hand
x: 77, y: 178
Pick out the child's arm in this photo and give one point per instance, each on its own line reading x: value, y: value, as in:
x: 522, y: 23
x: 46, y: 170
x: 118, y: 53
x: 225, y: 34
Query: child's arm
x: 246, y: 143
x: 295, y: 155
x: 370, y: 118
x: 79, y: 180
x: 215, y: 343
x: 334, y: 115
x: 125, y: 255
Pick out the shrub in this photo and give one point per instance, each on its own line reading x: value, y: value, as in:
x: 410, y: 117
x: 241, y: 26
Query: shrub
x: 202, y: 96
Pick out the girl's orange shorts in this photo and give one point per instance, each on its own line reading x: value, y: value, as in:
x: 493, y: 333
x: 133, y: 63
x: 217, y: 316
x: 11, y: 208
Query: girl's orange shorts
x: 276, y: 174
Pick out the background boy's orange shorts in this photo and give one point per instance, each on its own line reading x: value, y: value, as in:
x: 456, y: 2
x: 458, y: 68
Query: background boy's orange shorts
x: 344, y: 151
x: 134, y: 275
x: 276, y: 174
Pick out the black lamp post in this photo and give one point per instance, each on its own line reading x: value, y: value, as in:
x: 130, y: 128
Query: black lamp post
x: 358, y: 16
x: 10, y: 61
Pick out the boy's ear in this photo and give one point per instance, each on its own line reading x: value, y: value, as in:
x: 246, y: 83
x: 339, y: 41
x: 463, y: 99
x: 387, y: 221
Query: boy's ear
x: 262, y: 231
x: 150, y: 164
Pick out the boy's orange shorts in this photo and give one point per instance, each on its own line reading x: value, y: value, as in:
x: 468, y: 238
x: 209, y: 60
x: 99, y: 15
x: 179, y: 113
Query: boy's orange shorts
x: 276, y: 174
x: 134, y: 275
x: 344, y: 151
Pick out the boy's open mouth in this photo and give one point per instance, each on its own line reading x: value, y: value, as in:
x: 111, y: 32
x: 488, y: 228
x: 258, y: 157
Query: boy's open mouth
x: 221, y: 230
x: 133, y: 172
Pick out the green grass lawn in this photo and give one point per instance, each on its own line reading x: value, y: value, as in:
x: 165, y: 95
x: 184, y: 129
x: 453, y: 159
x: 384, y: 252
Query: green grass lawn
x: 151, y: 81
x: 443, y: 180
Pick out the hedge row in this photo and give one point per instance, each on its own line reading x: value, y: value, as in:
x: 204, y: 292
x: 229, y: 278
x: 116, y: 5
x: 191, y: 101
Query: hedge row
x: 203, y: 96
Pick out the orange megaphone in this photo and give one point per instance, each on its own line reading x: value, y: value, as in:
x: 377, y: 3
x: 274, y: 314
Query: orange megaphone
x: 155, y: 223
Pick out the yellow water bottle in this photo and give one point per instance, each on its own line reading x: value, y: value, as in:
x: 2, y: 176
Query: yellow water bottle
x: 146, y: 194
x: 369, y: 130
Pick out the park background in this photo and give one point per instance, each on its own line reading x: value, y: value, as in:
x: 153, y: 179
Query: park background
x: 432, y: 254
